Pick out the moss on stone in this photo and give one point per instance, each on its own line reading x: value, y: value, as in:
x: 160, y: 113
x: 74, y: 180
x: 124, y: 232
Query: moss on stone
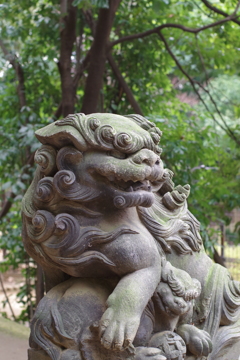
x: 13, y: 328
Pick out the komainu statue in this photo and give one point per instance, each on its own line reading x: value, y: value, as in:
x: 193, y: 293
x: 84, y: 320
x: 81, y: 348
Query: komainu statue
x: 126, y: 273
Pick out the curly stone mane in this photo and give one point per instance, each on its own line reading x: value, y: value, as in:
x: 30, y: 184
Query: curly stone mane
x: 55, y: 201
x: 52, y: 205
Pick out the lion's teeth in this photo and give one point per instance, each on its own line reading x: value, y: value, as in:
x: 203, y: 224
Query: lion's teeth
x: 130, y: 189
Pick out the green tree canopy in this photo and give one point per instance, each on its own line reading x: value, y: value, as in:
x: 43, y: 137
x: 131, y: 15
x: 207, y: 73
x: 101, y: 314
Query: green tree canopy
x: 176, y: 62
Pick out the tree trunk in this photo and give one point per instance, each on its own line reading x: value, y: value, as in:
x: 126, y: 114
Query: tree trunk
x: 68, y: 36
x: 218, y: 259
x: 98, y: 57
x: 124, y: 85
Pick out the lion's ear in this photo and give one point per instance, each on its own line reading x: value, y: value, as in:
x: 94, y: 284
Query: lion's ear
x: 59, y: 136
x: 68, y: 157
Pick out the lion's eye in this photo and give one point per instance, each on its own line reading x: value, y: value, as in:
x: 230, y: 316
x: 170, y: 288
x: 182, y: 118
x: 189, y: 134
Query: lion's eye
x: 117, y: 154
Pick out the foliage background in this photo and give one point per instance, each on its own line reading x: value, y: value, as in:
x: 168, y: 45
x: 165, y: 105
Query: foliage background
x: 175, y: 62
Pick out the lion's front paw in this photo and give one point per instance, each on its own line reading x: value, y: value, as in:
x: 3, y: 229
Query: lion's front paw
x: 117, y: 330
x: 149, y: 353
x: 198, y: 341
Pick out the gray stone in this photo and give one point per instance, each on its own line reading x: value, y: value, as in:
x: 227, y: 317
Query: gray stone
x: 126, y: 272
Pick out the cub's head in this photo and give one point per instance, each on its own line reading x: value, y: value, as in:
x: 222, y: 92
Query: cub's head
x: 176, y: 291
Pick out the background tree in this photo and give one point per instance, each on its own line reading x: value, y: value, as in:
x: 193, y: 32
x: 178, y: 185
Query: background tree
x: 175, y: 62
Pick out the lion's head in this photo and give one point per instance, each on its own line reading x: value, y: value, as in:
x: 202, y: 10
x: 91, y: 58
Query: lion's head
x: 88, y: 165
x: 105, y: 157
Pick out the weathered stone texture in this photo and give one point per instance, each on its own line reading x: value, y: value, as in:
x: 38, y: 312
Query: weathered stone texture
x: 126, y: 272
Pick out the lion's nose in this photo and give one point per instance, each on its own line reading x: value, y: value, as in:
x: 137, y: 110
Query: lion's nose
x: 146, y: 156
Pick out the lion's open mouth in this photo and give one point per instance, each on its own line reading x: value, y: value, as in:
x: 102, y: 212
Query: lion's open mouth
x: 130, y: 185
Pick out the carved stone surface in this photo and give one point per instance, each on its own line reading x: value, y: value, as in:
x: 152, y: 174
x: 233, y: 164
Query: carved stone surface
x: 126, y: 272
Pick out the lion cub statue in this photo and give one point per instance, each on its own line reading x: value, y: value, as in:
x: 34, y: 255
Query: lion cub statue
x: 166, y: 322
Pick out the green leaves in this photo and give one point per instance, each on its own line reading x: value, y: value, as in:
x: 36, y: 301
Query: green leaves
x: 89, y: 3
x: 206, y: 159
x: 194, y: 145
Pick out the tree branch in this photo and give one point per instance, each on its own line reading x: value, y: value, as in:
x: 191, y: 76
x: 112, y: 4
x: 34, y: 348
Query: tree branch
x: 124, y: 85
x: 11, y: 195
x: 79, y: 41
x: 7, y: 298
x: 199, y: 7
x: 7, y: 204
x: 218, y: 258
x: 202, y: 61
x: 176, y: 26
x: 22, y: 100
x: 227, y: 128
x: 98, y: 57
x: 115, y: 68
x: 89, y: 19
x: 79, y: 72
x: 68, y: 37
x: 193, y: 83
x: 219, y: 11
x: 19, y: 72
x: 58, y: 112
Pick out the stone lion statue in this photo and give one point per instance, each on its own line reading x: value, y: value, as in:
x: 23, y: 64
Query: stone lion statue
x: 102, y: 216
